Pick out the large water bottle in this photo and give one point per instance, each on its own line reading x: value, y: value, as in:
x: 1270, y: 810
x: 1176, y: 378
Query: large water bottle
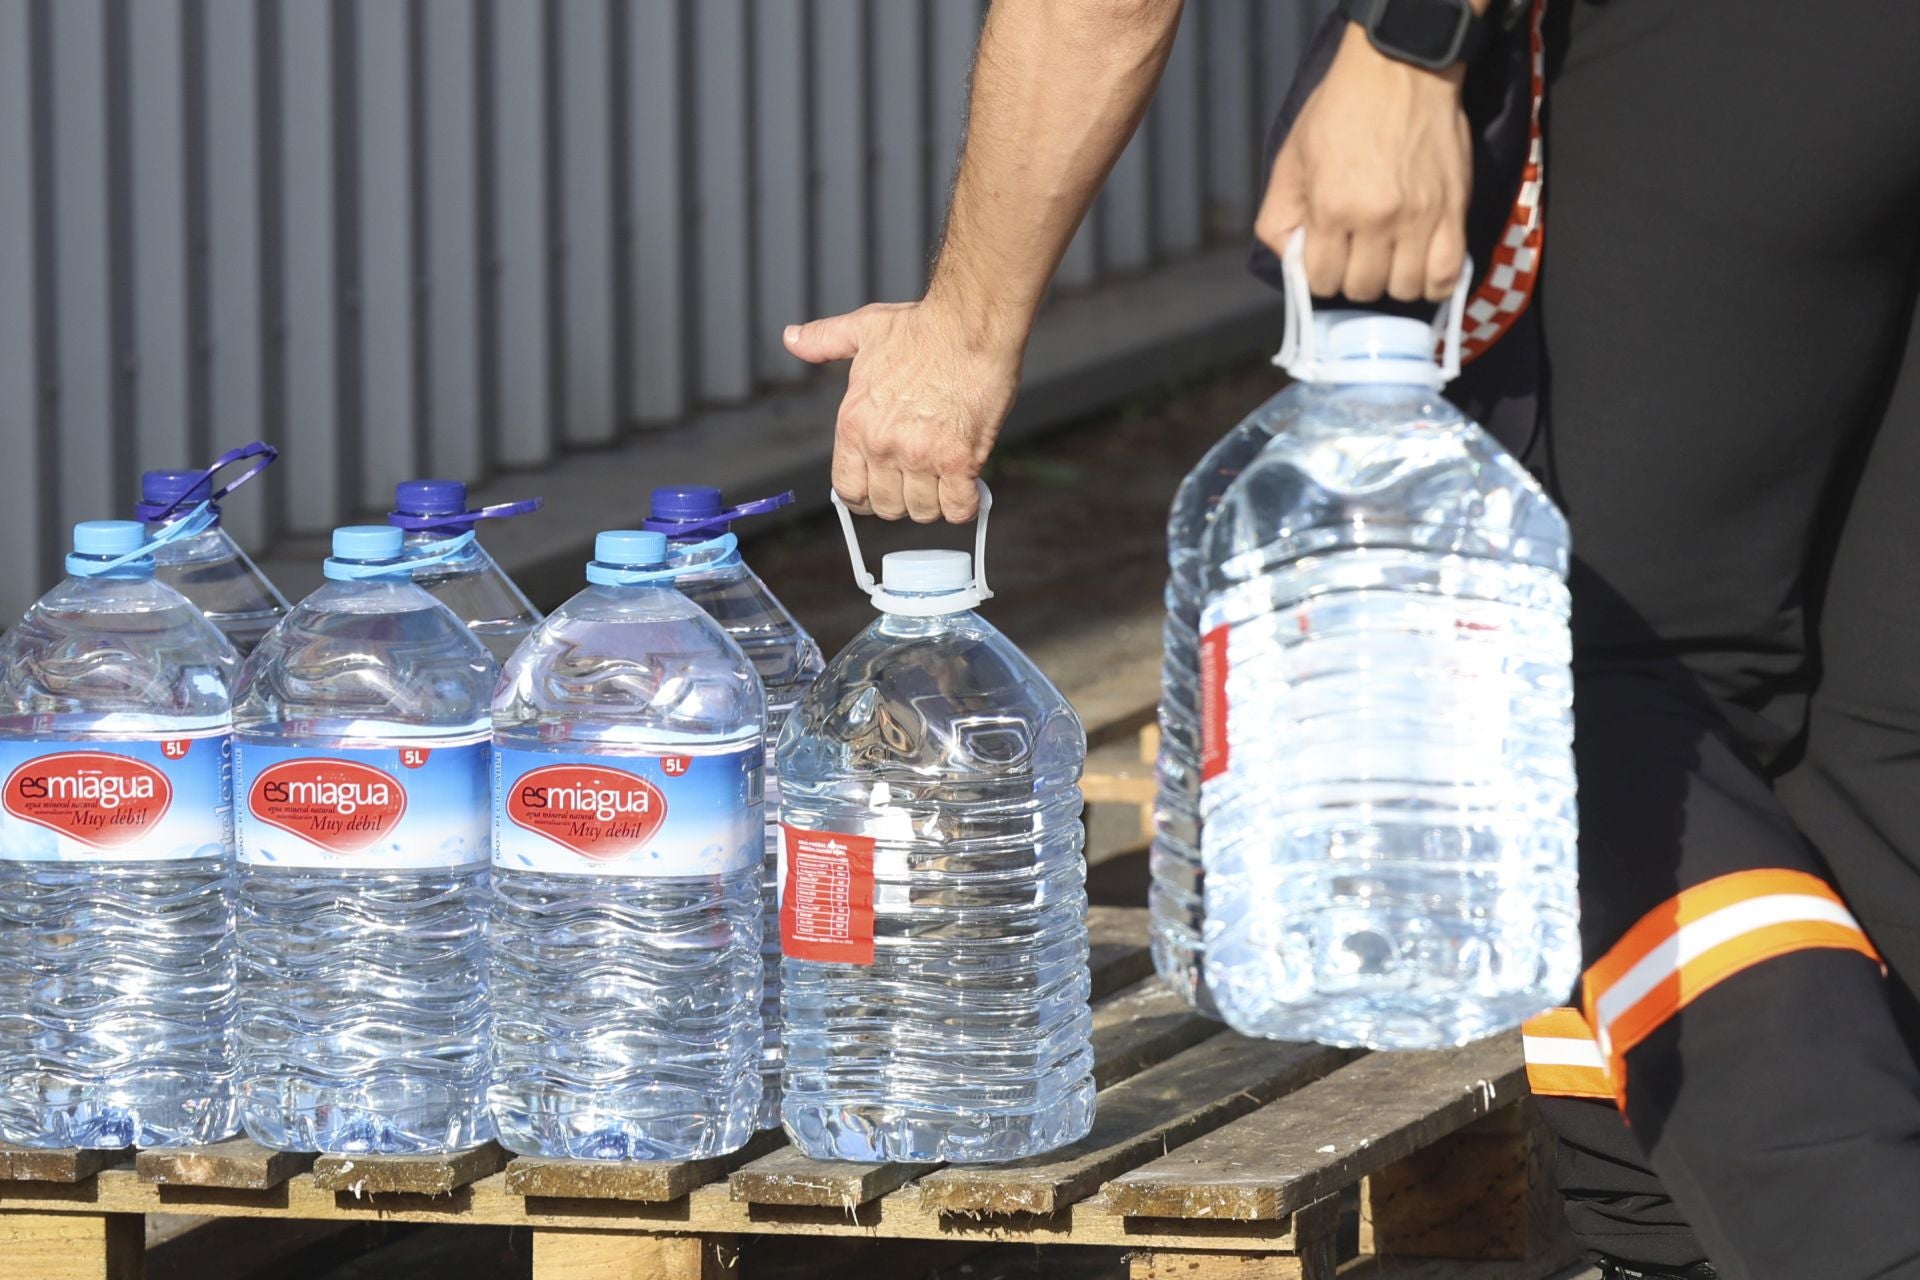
x: 362, y: 747
x: 788, y: 661
x: 626, y: 905
x: 1174, y: 897
x: 934, y: 910
x: 209, y: 568
x: 1389, y: 789
x: 116, y: 869
x: 469, y: 582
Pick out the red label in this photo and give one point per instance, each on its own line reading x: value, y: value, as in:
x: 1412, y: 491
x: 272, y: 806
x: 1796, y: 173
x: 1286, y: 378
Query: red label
x: 826, y: 914
x: 176, y: 748
x: 597, y: 812
x: 340, y: 805
x: 415, y: 757
x: 1213, y: 703
x: 103, y: 801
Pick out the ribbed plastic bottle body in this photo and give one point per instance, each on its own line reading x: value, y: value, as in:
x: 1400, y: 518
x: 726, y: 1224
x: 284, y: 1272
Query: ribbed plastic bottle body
x: 1174, y: 897
x: 478, y: 590
x: 788, y: 661
x: 626, y: 964
x: 953, y: 1023
x: 363, y: 1009
x: 1389, y: 793
x: 116, y: 972
x: 220, y: 579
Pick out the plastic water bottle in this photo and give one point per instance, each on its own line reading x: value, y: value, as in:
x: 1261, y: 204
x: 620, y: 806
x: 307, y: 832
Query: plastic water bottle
x: 934, y: 911
x: 209, y: 568
x: 788, y: 661
x: 1389, y: 789
x: 628, y: 740
x: 116, y: 867
x: 362, y: 772
x: 1177, y: 913
x: 470, y: 582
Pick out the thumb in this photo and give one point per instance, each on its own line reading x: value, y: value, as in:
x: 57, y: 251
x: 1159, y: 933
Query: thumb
x: 818, y: 341
x: 1284, y: 207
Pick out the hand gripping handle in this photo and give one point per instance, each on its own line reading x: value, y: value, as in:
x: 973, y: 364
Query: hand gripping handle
x: 922, y: 606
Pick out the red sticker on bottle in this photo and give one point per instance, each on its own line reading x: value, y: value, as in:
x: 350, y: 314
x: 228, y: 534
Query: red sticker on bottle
x: 341, y: 805
x: 597, y: 812
x: 1213, y: 703
x: 826, y: 913
x: 103, y: 801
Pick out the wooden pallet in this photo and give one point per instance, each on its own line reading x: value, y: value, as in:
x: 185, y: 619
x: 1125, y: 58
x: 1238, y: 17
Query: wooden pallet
x: 1212, y: 1156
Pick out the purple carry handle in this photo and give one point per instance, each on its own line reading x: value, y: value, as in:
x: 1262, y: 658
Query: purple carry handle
x: 150, y: 512
x: 720, y: 520
x: 498, y: 511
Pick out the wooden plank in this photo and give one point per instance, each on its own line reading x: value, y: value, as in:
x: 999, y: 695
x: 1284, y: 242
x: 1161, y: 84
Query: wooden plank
x: 1314, y: 1257
x: 595, y: 1255
x: 1328, y: 1135
x: 237, y: 1163
x: 435, y: 1175
x: 1138, y: 1119
x: 58, y: 1164
x: 50, y: 1246
x: 1142, y: 1027
x: 1465, y: 1196
x: 652, y: 1181
x: 1117, y: 941
x: 790, y: 1178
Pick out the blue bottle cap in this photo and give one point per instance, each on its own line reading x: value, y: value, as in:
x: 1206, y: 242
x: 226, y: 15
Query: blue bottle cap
x: 684, y: 502
x: 367, y: 542
x: 176, y: 488
x: 108, y: 537
x: 430, y: 497
x: 630, y: 548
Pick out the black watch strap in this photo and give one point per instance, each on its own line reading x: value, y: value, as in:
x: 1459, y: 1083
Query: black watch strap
x: 1434, y: 34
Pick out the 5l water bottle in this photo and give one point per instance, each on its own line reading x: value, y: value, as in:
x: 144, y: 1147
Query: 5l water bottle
x: 626, y: 903
x: 1389, y: 789
x: 468, y: 581
x: 363, y: 780
x: 116, y: 866
x: 788, y: 661
x: 209, y: 568
x: 1174, y: 897
x: 934, y: 912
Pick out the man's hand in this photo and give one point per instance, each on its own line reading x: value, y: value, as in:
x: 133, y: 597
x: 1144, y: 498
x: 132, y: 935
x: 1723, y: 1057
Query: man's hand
x: 923, y: 407
x: 1378, y: 169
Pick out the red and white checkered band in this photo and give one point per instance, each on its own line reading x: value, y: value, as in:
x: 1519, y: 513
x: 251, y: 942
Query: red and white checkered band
x: 1508, y: 287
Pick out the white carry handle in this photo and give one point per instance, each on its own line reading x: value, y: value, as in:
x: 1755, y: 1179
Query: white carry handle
x: 1300, y: 342
x: 923, y: 606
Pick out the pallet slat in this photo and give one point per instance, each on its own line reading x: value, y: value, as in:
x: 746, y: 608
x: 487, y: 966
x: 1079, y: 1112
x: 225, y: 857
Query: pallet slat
x: 1164, y: 1106
x: 789, y: 1178
x: 647, y: 1181
x: 58, y: 1164
x: 238, y: 1163
x: 1329, y: 1135
x: 435, y: 1175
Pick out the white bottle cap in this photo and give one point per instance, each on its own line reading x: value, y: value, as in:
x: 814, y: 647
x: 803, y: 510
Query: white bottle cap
x: 926, y: 572
x: 1388, y: 349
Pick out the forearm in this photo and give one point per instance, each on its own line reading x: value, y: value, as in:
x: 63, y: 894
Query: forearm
x: 1059, y: 86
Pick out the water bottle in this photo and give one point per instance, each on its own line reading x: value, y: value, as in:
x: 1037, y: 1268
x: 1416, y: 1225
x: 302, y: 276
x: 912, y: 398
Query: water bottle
x: 629, y: 744
x: 1388, y: 773
x: 788, y: 661
x: 362, y: 772
x: 1175, y: 894
x: 934, y: 911
x: 116, y: 865
x: 209, y: 568
x: 470, y: 582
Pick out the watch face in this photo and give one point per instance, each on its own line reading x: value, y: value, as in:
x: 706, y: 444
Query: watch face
x: 1429, y: 30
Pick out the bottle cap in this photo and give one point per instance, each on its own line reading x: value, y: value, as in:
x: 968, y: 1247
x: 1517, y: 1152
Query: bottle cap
x: 108, y: 537
x: 684, y: 502
x: 429, y: 497
x: 630, y: 548
x: 1381, y: 349
x: 685, y: 512
x: 368, y: 542
x: 926, y: 572
x: 175, y: 489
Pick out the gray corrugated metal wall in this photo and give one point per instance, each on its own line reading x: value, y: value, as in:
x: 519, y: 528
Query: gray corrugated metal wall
x: 454, y: 236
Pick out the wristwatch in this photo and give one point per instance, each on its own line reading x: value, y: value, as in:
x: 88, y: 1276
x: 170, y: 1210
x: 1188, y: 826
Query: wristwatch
x: 1433, y: 34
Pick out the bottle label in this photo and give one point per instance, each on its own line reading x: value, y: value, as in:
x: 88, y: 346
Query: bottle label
x: 826, y: 900
x: 627, y: 815
x: 87, y: 800
x: 398, y: 804
x: 1213, y: 703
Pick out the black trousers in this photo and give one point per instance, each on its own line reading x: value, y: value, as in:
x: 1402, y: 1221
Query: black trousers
x: 1728, y: 387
